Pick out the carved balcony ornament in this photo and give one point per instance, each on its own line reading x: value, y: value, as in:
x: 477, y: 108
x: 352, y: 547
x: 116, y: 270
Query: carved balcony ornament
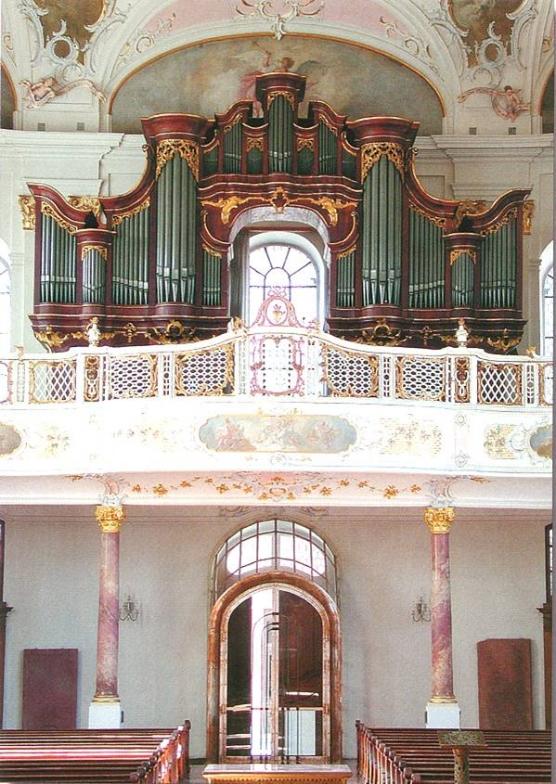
x: 290, y: 10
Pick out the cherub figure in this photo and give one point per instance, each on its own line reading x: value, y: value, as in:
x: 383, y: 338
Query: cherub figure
x: 48, y: 87
x: 506, y: 103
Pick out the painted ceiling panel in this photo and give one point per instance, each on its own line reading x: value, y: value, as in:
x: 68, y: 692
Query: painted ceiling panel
x: 208, y: 78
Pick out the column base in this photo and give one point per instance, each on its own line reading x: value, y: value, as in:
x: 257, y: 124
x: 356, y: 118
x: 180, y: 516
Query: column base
x: 442, y: 715
x: 105, y: 715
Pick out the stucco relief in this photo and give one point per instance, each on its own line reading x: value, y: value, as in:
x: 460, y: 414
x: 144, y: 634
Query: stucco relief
x: 292, y: 432
x: 410, y: 438
x: 10, y: 439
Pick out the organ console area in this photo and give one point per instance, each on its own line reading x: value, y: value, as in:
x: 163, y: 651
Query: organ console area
x: 153, y: 265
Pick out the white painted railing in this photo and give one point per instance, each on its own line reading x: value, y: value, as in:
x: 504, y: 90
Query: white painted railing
x: 275, y: 362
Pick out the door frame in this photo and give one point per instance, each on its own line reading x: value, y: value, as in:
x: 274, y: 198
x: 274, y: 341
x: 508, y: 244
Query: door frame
x: 220, y: 612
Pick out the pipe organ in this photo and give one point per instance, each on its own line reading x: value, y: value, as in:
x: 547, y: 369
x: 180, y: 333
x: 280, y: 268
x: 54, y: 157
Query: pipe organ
x: 153, y: 265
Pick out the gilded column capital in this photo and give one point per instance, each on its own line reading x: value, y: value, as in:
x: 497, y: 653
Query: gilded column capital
x: 439, y: 519
x: 109, y: 518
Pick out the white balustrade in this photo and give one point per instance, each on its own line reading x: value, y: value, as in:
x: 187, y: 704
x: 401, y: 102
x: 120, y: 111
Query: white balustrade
x: 276, y: 362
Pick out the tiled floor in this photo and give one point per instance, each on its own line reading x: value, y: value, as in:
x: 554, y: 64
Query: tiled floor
x: 196, y: 773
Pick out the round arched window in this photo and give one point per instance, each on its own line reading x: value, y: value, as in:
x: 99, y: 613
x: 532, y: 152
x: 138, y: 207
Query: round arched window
x: 275, y: 545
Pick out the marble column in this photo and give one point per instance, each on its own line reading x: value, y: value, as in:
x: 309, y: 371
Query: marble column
x: 442, y: 708
x: 105, y: 709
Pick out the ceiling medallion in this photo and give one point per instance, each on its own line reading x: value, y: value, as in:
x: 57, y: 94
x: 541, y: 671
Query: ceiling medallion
x: 290, y: 10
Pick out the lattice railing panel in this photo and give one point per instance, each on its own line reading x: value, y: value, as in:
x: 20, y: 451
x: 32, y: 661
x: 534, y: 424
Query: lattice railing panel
x: 546, y: 381
x: 5, y: 382
x: 208, y: 372
x: 52, y: 381
x: 500, y: 384
x: 421, y: 378
x: 134, y: 376
x: 349, y: 374
x: 276, y: 365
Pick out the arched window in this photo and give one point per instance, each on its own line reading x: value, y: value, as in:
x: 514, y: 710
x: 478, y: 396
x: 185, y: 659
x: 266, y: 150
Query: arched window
x: 285, y: 262
x: 275, y: 545
x: 547, y: 302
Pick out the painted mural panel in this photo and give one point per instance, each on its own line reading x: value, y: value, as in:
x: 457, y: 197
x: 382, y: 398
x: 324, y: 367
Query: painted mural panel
x: 207, y: 78
x: 479, y: 19
x: 287, y: 433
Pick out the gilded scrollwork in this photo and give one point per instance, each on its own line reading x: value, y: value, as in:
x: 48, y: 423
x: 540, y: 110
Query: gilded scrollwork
x: 226, y: 205
x: 102, y: 250
x: 371, y: 153
x: 439, y: 519
x: 168, y: 148
x: 457, y: 253
x: 528, y: 212
x: 510, y: 215
x: 436, y: 219
x: 304, y: 143
x: 50, y: 211
x: 174, y: 332
x: 255, y: 143
x: 331, y: 206
x: 86, y: 204
x: 50, y: 339
x: 117, y: 219
x: 281, y: 94
x: 27, y: 208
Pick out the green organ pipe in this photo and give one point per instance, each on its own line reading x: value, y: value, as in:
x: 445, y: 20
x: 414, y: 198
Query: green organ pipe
x: 498, y: 272
x: 94, y: 277
x: 426, y: 262
x: 280, y: 134
x: 382, y: 234
x: 232, y: 149
x: 462, y: 281
x: 58, y: 268
x: 176, y: 240
x: 327, y: 150
x: 130, y: 260
x: 211, y: 279
x: 345, y: 281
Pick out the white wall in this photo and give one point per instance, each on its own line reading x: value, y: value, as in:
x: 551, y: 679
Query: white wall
x: 384, y: 566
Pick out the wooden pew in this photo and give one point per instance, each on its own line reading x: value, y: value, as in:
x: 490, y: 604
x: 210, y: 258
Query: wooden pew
x: 411, y: 756
x: 92, y: 755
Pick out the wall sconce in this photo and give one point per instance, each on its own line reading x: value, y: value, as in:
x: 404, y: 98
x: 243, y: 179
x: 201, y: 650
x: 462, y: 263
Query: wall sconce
x: 129, y: 611
x: 421, y: 611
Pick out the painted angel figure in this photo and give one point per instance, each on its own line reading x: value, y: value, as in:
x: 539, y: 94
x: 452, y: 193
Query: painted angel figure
x: 506, y: 103
x: 48, y: 87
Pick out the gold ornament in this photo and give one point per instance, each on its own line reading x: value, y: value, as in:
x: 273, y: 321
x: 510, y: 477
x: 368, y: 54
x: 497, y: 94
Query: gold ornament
x: 371, y: 153
x: 168, y: 148
x: 86, y: 204
x: 528, y: 211
x: 102, y: 250
x: 303, y: 142
x: 109, y: 518
x: 27, y: 207
x: 455, y: 254
x: 281, y: 94
x: 439, y: 520
x: 255, y: 143
x: 50, y: 211
x: 117, y: 219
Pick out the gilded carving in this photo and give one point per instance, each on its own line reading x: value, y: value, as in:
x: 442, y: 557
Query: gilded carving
x: 27, y: 207
x: 52, y: 212
x: 255, y: 143
x: 102, y: 250
x: 174, y: 332
x: 345, y: 253
x: 168, y: 148
x: 226, y: 205
x: 456, y: 253
x: 504, y: 343
x: 86, y: 204
x: 283, y: 94
x: 439, y: 519
x: 371, y: 153
x: 382, y: 334
x: 117, y: 219
x: 305, y: 143
x: 469, y: 207
x: 510, y: 215
x: 49, y: 338
x: 436, y: 219
x: 238, y: 118
x: 528, y: 212
x: 109, y: 518
x: 331, y: 206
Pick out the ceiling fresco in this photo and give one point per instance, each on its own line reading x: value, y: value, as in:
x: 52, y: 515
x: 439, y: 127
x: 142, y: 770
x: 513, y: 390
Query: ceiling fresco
x: 209, y: 77
x: 475, y: 18
x: 70, y: 18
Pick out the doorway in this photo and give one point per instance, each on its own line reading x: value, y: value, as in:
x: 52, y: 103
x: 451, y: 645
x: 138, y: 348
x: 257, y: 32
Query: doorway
x: 275, y: 696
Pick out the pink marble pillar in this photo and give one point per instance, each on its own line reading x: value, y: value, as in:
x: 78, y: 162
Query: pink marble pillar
x: 109, y: 519
x: 439, y: 522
